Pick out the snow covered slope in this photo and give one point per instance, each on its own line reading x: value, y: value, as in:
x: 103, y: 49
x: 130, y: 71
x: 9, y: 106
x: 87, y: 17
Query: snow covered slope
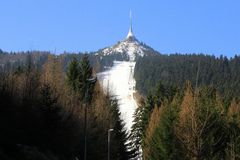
x: 119, y: 79
x: 129, y: 46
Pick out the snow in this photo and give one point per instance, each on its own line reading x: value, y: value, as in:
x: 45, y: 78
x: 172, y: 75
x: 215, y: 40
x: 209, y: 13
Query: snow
x: 119, y: 81
x: 127, y: 46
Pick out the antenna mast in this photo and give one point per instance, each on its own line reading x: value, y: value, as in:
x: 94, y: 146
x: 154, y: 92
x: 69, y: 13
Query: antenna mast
x: 130, y: 32
x: 131, y: 19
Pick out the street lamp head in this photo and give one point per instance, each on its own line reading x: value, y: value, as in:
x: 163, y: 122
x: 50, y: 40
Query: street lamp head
x: 110, y: 130
x: 92, y: 79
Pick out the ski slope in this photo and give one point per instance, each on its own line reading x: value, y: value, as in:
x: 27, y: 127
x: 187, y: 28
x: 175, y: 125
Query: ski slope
x: 119, y: 81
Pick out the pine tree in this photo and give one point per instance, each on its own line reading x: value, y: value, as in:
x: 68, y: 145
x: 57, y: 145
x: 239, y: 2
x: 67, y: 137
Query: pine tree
x: 78, y: 78
x: 164, y: 143
x: 123, y: 150
x: 136, y: 135
x: 73, y: 74
x: 85, y: 73
x: 146, y: 113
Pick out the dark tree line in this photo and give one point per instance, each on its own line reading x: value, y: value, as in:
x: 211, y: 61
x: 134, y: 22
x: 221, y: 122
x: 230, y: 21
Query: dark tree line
x: 173, y: 70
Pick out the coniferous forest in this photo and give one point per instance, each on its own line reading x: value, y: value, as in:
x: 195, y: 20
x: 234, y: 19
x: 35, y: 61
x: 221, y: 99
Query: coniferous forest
x: 42, y: 113
x: 189, y: 108
x: 188, y: 124
x: 220, y: 72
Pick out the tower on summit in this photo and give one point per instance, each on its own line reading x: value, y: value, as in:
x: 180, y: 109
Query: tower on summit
x: 130, y: 32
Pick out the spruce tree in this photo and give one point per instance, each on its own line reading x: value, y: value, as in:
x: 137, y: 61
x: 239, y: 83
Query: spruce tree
x: 140, y: 124
x: 73, y: 74
x: 78, y: 78
x: 147, y: 110
x: 164, y: 144
x: 123, y: 150
x: 84, y: 85
x: 136, y: 135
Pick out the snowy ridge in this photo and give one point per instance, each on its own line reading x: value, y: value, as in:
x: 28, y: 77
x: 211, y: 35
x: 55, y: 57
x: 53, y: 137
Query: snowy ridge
x: 130, y: 47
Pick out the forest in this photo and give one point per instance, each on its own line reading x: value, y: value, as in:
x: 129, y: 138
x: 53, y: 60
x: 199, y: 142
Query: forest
x: 191, y: 124
x: 42, y: 113
x: 175, y: 69
x: 189, y: 108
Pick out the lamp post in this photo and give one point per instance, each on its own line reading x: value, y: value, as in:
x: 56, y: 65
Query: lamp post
x: 109, y: 138
x: 90, y: 81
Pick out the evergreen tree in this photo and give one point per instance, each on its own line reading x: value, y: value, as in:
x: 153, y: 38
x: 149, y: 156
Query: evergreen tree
x: 146, y: 113
x: 124, y: 150
x: 164, y: 144
x: 84, y: 85
x: 79, y: 78
x: 141, y: 123
x: 137, y: 130
x: 73, y: 74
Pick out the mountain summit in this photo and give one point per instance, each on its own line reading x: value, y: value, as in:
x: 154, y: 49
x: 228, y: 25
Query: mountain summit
x: 130, y: 47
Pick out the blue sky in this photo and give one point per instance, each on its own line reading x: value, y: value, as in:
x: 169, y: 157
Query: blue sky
x: 169, y: 26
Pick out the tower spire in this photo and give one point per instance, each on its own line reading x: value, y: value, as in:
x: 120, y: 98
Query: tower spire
x: 131, y: 20
x: 130, y: 32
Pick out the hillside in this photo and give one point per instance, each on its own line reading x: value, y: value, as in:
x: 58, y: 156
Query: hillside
x: 175, y: 69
